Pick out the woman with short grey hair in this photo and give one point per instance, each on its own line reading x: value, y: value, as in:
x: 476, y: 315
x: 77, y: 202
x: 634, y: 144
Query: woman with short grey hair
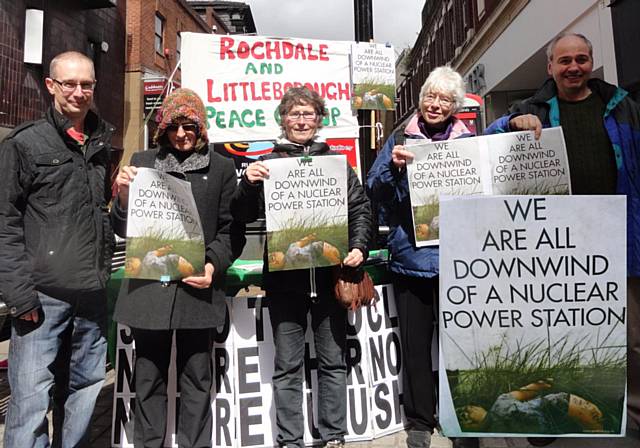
x: 415, y: 269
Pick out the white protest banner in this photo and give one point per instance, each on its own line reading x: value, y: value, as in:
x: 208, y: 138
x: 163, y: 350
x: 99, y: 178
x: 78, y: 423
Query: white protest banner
x: 242, y: 397
x: 164, y: 235
x: 373, y: 72
x: 533, y: 315
x: 512, y: 163
x: 242, y: 79
x: 306, y: 211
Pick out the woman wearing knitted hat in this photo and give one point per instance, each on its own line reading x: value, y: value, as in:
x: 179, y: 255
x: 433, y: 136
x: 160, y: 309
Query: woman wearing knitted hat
x: 190, y: 307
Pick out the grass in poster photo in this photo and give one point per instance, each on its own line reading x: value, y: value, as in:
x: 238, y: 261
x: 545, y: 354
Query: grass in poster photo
x: 156, y: 255
x: 302, y: 246
x: 541, y: 188
x: 372, y: 95
x: 426, y: 218
x: 539, y: 387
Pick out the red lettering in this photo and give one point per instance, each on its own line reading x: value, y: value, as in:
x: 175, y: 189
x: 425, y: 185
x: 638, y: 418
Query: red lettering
x: 226, y: 43
x: 300, y: 52
x: 344, y: 91
x: 277, y: 91
x: 210, y: 97
x: 330, y: 91
x: 243, y: 50
x: 266, y: 87
x: 255, y: 48
x: 311, y: 56
x: 273, y: 50
x: 323, y: 52
x: 287, y: 50
x: 245, y: 93
x: 232, y: 86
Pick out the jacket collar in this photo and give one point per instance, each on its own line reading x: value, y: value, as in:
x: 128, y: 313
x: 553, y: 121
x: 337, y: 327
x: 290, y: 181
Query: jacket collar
x: 458, y: 128
x: 166, y: 160
x: 313, y: 147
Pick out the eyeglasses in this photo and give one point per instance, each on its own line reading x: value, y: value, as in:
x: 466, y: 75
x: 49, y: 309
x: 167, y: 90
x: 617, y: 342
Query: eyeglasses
x: 70, y: 86
x: 444, y: 101
x: 306, y: 116
x: 186, y: 127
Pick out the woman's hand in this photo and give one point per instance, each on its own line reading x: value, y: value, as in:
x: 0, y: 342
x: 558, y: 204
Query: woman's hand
x: 256, y: 172
x: 201, y: 282
x: 399, y: 156
x: 528, y: 122
x: 123, y: 180
x: 354, y: 258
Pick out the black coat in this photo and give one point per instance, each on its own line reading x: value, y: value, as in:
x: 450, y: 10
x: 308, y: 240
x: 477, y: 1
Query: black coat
x: 55, y: 233
x: 150, y: 305
x: 248, y: 205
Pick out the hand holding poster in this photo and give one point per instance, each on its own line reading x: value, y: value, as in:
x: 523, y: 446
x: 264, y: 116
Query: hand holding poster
x: 306, y: 212
x: 164, y: 234
x: 513, y: 163
x: 374, y: 76
x: 533, y: 315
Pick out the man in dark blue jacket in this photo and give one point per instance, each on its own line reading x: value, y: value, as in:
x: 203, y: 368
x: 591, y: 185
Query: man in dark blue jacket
x: 55, y: 252
x: 601, y: 125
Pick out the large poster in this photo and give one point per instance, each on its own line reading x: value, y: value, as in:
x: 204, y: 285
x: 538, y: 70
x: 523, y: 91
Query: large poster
x: 512, y: 163
x: 242, y: 399
x: 164, y: 234
x: 242, y: 79
x: 374, y: 76
x: 306, y: 212
x: 533, y: 315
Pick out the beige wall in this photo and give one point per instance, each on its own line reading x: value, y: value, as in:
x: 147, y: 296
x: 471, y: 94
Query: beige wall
x: 133, y: 116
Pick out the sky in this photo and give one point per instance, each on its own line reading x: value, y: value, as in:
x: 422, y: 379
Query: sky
x: 395, y: 21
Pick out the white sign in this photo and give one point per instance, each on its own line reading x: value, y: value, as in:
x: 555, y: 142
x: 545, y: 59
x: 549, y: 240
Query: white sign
x: 533, y: 315
x: 512, y: 163
x: 306, y: 211
x: 164, y: 234
x: 242, y: 79
x: 242, y: 398
x: 374, y: 76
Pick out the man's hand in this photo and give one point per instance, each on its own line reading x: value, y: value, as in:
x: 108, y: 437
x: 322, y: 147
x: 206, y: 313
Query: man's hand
x: 31, y: 316
x: 354, y: 258
x: 400, y: 156
x: 527, y: 122
x: 201, y: 282
x: 123, y: 180
x: 256, y: 172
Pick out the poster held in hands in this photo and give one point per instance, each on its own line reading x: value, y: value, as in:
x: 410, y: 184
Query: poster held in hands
x: 306, y: 212
x: 164, y: 234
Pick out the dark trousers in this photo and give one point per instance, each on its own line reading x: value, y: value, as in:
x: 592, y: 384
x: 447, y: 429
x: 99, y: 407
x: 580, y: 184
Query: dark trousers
x: 194, y: 374
x: 288, y: 314
x: 417, y: 304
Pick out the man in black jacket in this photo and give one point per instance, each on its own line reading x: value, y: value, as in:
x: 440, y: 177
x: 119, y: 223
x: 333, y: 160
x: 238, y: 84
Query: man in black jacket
x: 55, y: 250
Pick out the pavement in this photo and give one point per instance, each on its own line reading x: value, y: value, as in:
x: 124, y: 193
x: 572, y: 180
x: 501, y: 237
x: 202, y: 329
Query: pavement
x: 101, y: 428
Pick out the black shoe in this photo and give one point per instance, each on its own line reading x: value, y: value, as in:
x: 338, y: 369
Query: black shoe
x: 466, y: 442
x: 541, y: 441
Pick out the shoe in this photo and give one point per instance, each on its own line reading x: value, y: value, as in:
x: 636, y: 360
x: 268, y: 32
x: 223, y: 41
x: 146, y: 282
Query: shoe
x: 334, y: 443
x: 466, y: 442
x: 541, y: 441
x: 418, y: 439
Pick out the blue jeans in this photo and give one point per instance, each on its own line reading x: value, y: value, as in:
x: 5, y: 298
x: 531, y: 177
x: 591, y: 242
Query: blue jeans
x: 32, y: 363
x: 288, y: 315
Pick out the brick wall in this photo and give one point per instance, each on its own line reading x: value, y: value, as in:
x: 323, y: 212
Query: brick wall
x: 67, y: 26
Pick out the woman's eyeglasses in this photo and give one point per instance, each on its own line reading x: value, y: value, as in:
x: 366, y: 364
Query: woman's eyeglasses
x: 186, y: 127
x: 306, y: 116
x: 430, y: 98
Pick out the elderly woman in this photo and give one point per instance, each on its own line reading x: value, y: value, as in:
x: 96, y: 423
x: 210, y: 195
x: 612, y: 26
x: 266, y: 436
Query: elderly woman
x: 188, y: 308
x: 414, y: 269
x: 293, y: 294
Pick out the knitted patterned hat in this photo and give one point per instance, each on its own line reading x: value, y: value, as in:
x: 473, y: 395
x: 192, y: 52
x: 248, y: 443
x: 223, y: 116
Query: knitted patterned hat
x: 182, y: 103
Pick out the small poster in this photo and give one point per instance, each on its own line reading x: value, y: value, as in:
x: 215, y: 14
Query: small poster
x: 513, y: 163
x: 373, y: 73
x: 164, y: 234
x: 306, y: 212
x: 533, y: 316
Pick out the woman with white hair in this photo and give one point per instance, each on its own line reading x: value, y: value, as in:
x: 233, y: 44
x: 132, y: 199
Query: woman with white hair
x: 415, y: 269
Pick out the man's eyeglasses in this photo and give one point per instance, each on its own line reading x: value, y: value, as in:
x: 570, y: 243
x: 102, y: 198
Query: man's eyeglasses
x: 306, y: 116
x: 186, y: 127
x: 430, y: 98
x: 70, y: 86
